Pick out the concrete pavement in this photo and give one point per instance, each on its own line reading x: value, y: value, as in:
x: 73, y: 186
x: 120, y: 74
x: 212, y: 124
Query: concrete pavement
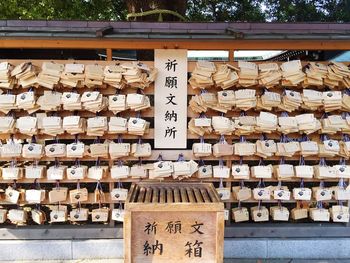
x: 225, y: 261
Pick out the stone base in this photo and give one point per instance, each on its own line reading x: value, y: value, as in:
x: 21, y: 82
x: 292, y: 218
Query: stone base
x: 234, y: 248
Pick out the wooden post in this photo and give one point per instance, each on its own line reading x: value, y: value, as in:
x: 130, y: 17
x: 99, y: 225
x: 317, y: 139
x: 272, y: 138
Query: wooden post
x: 231, y: 55
x: 109, y: 54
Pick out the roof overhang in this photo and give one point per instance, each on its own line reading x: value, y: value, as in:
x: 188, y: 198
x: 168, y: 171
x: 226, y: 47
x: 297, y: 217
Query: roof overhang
x: 175, y: 34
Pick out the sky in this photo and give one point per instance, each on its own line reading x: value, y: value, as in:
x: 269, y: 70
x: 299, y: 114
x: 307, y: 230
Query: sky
x: 240, y: 53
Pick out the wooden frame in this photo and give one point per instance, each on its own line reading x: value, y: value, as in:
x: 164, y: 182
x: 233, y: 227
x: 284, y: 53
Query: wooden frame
x: 167, y: 154
x: 239, y: 230
x: 197, y: 44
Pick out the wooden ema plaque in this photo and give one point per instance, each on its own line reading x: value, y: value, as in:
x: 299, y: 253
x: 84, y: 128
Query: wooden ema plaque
x: 173, y: 222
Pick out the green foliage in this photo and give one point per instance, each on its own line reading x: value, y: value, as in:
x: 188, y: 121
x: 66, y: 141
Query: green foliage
x: 225, y: 10
x: 337, y: 10
x: 63, y: 9
x: 294, y: 10
x: 197, y: 10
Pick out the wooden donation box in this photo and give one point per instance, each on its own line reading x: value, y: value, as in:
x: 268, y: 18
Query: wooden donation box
x: 173, y: 222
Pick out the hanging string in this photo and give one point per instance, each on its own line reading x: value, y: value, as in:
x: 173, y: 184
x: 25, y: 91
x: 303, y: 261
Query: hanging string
x: 221, y: 163
x: 263, y: 137
x: 261, y: 183
x: 323, y: 137
x: 222, y: 139
x: 36, y: 184
x: 11, y: 140
x: 347, y: 91
x: 120, y: 207
x: 282, y: 160
x: 77, y: 162
x: 283, y: 138
x: 100, y: 194
x: 342, y: 162
x: 241, y: 184
x: 259, y: 205
x: 140, y: 161
x: 57, y: 163
x: 284, y: 114
x: 221, y: 184
x: 304, y: 138
x: 322, y: 162
x: 341, y: 183
x: 319, y: 205
x: 119, y: 185
x: 13, y: 163
x: 58, y: 184
x: 321, y: 184
x: 279, y: 185
x: 97, y: 140
x: 340, y: 203
x: 38, y: 207
x: 202, y: 115
x: 280, y: 205
x: 261, y: 161
x: 140, y: 91
x: 78, y: 188
x: 181, y: 158
x: 120, y: 138
x: 14, y: 185
x: 160, y: 158
x: 242, y: 113
x: 35, y: 163
x: 97, y: 163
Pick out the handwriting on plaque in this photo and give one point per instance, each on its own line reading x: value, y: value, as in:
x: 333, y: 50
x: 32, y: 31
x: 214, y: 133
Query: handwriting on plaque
x: 192, y: 248
x: 174, y: 237
x: 170, y: 98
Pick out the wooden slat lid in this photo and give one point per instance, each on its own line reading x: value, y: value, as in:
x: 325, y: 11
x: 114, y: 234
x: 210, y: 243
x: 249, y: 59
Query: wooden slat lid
x: 163, y: 193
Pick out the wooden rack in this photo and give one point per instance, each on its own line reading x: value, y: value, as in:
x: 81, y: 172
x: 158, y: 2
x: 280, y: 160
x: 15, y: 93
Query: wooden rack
x: 109, y: 183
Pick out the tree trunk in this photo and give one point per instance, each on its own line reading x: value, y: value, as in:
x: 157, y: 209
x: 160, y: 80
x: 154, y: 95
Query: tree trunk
x: 138, y: 6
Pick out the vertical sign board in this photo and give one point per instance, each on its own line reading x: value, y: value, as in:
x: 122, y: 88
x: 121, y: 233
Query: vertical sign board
x: 170, y: 99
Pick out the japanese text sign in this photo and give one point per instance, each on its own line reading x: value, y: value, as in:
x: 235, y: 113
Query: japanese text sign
x: 170, y: 99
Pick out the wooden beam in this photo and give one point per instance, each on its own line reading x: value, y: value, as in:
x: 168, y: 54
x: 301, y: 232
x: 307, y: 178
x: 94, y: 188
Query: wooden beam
x: 197, y: 44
